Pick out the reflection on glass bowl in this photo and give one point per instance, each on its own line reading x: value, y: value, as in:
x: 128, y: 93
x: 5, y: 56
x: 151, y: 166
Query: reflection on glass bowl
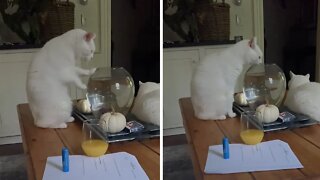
x: 264, y: 83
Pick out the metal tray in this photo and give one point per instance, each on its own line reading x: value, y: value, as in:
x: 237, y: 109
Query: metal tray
x: 149, y: 131
x: 300, y: 120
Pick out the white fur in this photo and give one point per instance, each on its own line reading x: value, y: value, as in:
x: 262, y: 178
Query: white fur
x: 50, y: 72
x: 303, y: 96
x: 214, y: 79
x: 147, y: 103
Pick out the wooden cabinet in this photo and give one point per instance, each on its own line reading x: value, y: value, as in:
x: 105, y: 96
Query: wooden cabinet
x: 177, y: 71
x: 178, y: 66
x: 13, y: 70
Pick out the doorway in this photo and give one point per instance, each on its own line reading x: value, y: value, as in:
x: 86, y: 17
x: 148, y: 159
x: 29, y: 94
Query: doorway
x: 290, y: 35
x: 135, y: 26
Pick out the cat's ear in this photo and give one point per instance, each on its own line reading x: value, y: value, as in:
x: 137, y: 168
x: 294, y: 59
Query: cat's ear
x: 308, y: 76
x: 291, y: 74
x: 140, y: 83
x: 253, y: 42
x: 88, y: 36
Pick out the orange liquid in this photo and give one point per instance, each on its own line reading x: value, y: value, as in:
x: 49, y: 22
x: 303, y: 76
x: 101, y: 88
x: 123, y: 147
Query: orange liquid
x: 251, y: 136
x: 94, y: 147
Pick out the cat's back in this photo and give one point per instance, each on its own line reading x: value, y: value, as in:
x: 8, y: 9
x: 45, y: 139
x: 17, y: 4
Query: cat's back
x: 310, y: 88
x: 214, y: 68
x: 305, y: 99
x: 211, y: 66
x: 307, y: 94
x: 54, y: 53
x: 219, y: 63
x: 308, y: 91
x: 215, y: 60
x: 59, y: 45
x: 43, y: 55
x: 43, y: 71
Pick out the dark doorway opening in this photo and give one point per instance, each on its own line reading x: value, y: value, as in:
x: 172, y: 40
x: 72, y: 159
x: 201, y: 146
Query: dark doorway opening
x: 135, y: 29
x: 290, y: 28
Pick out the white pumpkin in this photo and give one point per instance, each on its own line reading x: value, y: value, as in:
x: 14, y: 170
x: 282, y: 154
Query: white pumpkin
x: 267, y: 113
x: 83, y: 106
x: 112, y: 122
x: 240, y: 99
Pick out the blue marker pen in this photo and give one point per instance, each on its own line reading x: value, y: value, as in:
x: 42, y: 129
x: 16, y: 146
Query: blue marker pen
x: 225, y: 144
x: 65, y: 160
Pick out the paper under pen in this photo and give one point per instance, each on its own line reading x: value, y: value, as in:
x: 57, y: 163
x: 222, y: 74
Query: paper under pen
x: 65, y: 160
x: 225, y: 144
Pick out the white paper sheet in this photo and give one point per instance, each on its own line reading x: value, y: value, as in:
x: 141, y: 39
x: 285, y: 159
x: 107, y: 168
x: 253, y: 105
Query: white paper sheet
x: 120, y: 166
x: 270, y: 155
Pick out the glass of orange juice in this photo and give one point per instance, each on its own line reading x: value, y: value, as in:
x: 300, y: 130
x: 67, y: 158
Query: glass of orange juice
x: 91, y: 144
x: 250, y: 133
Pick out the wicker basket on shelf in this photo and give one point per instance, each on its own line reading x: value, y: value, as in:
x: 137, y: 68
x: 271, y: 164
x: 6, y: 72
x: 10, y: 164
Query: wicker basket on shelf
x: 213, y: 19
x: 60, y: 18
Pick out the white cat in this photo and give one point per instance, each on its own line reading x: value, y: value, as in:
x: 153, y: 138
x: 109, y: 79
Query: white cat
x: 214, y: 79
x: 303, y: 96
x: 50, y: 72
x: 147, y: 103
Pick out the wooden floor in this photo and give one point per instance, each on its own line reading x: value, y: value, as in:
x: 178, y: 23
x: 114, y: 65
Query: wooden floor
x: 174, y: 140
x: 11, y: 149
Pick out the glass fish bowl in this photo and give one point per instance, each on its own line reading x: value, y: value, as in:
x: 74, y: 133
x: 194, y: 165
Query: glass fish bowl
x: 110, y: 89
x: 264, y: 84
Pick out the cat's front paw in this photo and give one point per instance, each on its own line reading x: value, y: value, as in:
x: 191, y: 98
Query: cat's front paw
x: 83, y: 86
x: 92, y: 70
x: 232, y: 114
x: 71, y: 119
x: 62, y: 125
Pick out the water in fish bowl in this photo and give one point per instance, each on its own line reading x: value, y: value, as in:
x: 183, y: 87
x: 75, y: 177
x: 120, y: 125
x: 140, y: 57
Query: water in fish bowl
x: 110, y: 90
x: 264, y: 84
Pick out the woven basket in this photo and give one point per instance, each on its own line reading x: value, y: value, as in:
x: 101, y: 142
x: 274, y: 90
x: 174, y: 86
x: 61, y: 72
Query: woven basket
x: 60, y: 18
x: 213, y: 19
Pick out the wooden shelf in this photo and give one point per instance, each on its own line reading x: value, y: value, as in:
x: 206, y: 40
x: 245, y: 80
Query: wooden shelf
x: 204, y: 43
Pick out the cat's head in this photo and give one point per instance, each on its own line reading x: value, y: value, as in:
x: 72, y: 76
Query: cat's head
x: 297, y: 80
x: 86, y: 46
x: 253, y: 54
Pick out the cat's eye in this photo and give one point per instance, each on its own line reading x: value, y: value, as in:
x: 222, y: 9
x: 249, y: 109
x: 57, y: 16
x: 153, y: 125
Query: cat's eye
x: 259, y: 57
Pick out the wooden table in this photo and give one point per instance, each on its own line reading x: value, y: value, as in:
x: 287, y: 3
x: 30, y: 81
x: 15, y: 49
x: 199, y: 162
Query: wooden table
x: 39, y: 143
x: 305, y: 143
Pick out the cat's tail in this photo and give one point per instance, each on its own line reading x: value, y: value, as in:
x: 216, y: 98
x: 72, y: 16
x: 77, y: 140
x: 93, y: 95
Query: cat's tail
x: 45, y: 122
x: 209, y: 116
x: 34, y: 112
x: 313, y: 113
x: 204, y: 113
